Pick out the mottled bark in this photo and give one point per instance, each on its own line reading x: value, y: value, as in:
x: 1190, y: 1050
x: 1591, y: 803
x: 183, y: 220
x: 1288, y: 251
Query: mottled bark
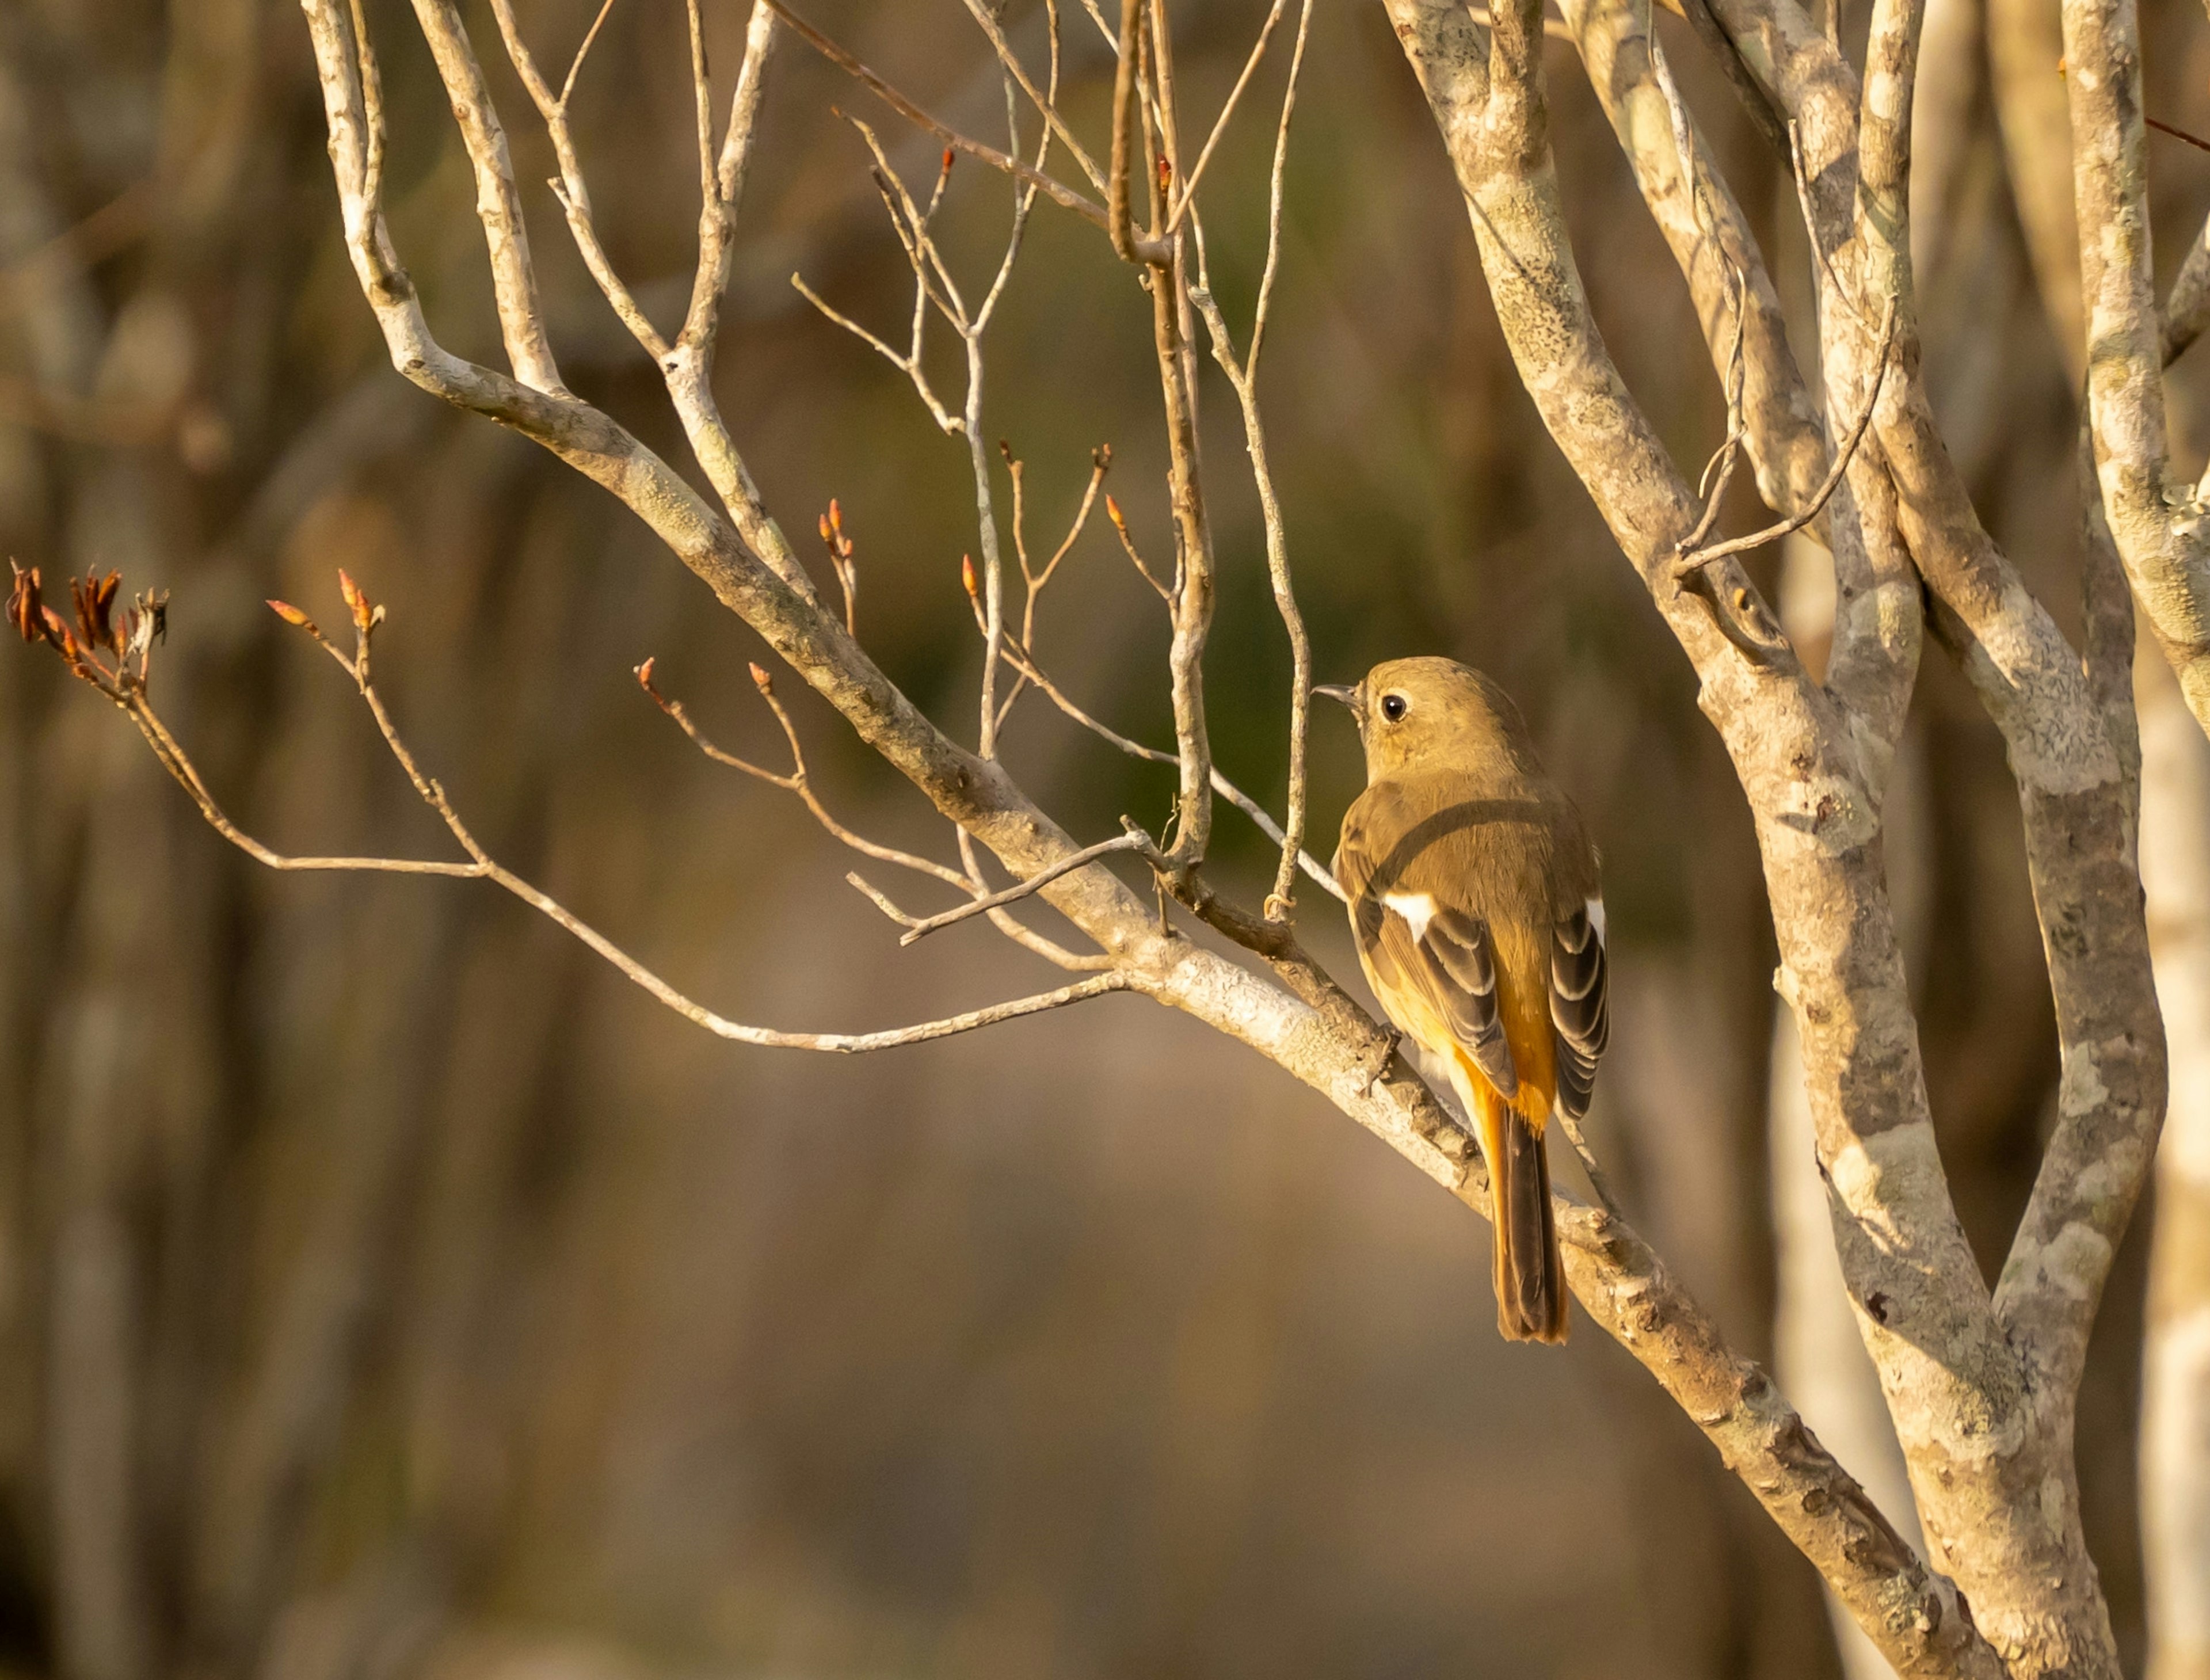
x: 1981, y: 1387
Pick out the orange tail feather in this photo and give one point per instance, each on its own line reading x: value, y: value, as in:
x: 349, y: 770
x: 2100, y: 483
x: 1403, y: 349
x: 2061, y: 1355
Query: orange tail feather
x: 1531, y: 1279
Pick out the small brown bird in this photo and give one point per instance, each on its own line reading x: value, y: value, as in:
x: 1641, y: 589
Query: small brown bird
x: 1475, y: 900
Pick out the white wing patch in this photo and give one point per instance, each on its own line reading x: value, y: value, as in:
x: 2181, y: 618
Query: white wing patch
x: 1596, y: 921
x: 1418, y: 909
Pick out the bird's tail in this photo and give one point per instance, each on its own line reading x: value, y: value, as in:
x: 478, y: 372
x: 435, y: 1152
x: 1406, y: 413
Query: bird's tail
x: 1531, y: 1279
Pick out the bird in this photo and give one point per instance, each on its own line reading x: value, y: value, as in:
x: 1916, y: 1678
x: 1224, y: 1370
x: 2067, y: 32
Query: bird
x: 1477, y: 907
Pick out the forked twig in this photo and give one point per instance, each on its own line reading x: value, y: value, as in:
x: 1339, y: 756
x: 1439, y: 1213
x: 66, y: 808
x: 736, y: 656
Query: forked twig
x: 797, y: 780
x: 124, y: 684
x: 922, y: 927
x: 1692, y: 560
x: 1056, y: 191
x: 1220, y: 123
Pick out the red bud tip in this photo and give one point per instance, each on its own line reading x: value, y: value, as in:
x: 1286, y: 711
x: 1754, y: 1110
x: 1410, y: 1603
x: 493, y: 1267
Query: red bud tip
x: 24, y: 605
x: 835, y: 517
x: 967, y: 573
x: 1113, y: 512
x: 363, y: 614
x: 291, y: 614
x: 764, y: 682
x: 827, y: 535
x: 644, y: 676
x: 947, y: 160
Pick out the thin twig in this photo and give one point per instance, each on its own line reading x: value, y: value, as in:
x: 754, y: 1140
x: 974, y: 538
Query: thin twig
x: 1313, y: 868
x: 1811, y: 224
x: 797, y: 780
x: 1047, y: 106
x: 1057, y: 192
x: 908, y: 365
x: 575, y: 68
x: 921, y: 928
x: 1689, y: 563
x: 1228, y: 110
x: 1274, y: 196
x: 131, y: 697
x: 2200, y: 144
x: 1599, y: 1180
x: 1728, y: 452
x: 1033, y: 581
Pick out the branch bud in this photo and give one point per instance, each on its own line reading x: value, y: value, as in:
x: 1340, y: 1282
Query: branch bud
x: 967, y: 577
x: 363, y: 615
x: 292, y: 616
x: 93, y: 597
x: 26, y: 611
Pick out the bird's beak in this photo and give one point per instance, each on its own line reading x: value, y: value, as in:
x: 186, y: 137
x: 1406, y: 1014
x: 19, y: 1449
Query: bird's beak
x: 1338, y: 692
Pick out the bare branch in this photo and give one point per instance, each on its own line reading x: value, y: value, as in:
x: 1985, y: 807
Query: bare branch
x: 921, y: 928
x: 1063, y: 195
x: 1711, y: 244
x: 1697, y: 559
x: 499, y: 205
x: 583, y: 52
x: 1226, y: 110
x: 1047, y: 104
x: 2162, y: 538
x: 1314, y: 870
x: 797, y: 781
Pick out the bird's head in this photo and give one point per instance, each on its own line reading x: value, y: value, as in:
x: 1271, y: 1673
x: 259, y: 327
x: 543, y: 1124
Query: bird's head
x: 1435, y: 714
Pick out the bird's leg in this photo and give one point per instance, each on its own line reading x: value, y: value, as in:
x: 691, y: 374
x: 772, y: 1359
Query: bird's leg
x: 1598, y: 1181
x: 1391, y: 1038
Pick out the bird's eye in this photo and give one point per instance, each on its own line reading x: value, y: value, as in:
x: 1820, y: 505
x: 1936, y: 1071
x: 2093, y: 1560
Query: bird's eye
x: 1393, y: 706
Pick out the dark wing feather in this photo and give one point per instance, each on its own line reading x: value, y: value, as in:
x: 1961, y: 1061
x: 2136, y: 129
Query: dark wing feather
x: 1579, y: 1008
x: 1451, y: 964
x: 1459, y: 967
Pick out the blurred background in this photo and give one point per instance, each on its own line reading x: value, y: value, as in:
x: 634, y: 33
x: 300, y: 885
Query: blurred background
x: 387, y: 1288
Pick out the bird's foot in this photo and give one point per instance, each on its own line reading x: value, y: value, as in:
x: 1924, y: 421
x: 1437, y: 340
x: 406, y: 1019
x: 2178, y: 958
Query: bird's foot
x: 1391, y: 1038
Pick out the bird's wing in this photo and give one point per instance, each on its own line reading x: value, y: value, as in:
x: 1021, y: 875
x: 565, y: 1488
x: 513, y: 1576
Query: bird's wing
x: 1441, y: 953
x: 1580, y: 1007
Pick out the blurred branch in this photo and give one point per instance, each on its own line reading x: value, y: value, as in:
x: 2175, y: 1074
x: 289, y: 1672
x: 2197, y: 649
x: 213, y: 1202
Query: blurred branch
x: 1243, y: 377
x: 103, y: 233
x: 1059, y: 194
x: 1188, y: 192
x: 1047, y: 104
